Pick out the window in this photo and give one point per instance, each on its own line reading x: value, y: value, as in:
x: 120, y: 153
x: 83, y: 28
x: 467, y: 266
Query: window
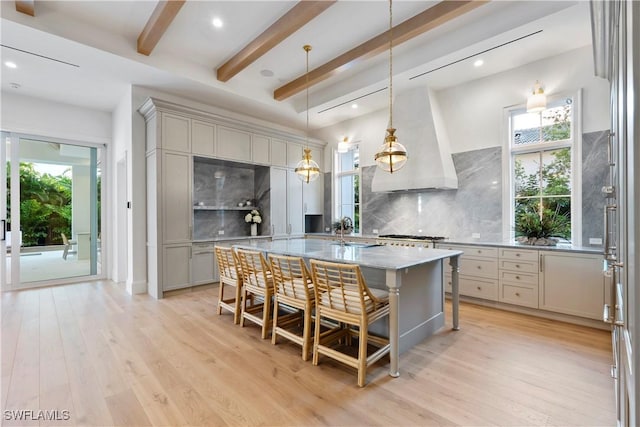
x: 347, y: 186
x: 542, y: 170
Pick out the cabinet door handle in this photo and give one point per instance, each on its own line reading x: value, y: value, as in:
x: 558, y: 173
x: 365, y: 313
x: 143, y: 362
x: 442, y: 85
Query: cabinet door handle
x: 517, y: 265
x: 517, y: 255
x: 541, y: 262
x: 518, y: 277
x: 517, y: 294
x: 4, y: 230
x: 479, y: 288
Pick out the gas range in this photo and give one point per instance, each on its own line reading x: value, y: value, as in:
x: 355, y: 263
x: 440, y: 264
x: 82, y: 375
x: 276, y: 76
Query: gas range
x: 408, y: 240
x: 410, y: 237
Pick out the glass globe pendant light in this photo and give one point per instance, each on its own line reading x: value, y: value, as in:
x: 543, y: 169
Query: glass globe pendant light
x: 392, y: 155
x: 307, y: 169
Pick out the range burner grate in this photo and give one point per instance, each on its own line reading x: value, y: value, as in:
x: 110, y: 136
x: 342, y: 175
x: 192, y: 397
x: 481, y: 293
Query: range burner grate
x: 409, y: 236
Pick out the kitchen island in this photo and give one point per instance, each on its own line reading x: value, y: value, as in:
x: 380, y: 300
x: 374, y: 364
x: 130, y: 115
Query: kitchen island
x: 418, y: 312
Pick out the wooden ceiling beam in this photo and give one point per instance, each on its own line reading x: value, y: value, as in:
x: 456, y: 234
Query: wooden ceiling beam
x: 158, y: 23
x: 290, y: 22
x: 412, y: 27
x: 26, y: 7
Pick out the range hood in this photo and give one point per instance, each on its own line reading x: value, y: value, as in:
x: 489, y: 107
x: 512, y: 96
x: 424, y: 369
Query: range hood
x: 421, y: 130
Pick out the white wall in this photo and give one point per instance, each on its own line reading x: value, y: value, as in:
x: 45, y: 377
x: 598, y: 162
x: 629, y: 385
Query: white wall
x: 119, y: 149
x: 473, y: 111
x: 33, y: 116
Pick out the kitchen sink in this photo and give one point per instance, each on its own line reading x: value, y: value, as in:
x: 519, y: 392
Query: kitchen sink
x: 357, y: 245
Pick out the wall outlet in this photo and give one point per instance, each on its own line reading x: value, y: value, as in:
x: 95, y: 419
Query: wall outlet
x: 595, y: 241
x: 475, y: 235
x: 221, y: 232
x: 375, y: 231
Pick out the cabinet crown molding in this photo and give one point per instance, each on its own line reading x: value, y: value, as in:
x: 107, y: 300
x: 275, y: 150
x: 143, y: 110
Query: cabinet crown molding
x: 152, y: 105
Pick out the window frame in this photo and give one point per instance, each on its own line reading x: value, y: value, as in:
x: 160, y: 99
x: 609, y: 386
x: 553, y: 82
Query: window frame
x: 508, y: 163
x: 337, y: 195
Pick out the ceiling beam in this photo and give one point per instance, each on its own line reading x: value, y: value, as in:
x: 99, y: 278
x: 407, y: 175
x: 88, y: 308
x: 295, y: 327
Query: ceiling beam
x: 290, y: 22
x: 412, y: 27
x: 157, y: 24
x: 26, y: 6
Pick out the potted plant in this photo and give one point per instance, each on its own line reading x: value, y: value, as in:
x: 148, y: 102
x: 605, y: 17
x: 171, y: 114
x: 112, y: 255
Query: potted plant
x: 344, y: 225
x: 541, y: 230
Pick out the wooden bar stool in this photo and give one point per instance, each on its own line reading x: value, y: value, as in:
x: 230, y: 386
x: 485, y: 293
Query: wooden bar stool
x: 293, y: 287
x: 229, y: 272
x: 257, y: 281
x: 343, y: 296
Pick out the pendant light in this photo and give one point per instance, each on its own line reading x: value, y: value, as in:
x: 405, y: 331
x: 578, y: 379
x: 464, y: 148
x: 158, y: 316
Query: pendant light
x: 392, y: 155
x: 307, y: 169
x: 343, y: 146
x: 537, y: 101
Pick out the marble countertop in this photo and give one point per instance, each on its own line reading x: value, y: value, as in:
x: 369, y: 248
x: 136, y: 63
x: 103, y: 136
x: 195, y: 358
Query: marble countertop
x: 564, y: 247
x: 229, y: 239
x: 384, y: 257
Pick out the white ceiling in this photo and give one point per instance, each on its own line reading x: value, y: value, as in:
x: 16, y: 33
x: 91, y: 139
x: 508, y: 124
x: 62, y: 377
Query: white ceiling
x: 99, y: 38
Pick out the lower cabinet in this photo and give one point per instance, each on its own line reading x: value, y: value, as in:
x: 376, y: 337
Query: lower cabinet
x: 572, y: 284
x: 518, y: 276
x: 562, y: 282
x: 204, y: 268
x: 176, y: 266
x: 478, y: 275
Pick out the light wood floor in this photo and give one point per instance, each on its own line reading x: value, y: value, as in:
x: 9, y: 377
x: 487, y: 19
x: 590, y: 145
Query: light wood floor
x: 113, y: 359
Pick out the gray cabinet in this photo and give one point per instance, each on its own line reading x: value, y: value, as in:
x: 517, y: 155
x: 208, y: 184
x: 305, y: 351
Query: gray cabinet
x: 286, y: 203
x: 203, y: 138
x: 203, y: 265
x: 176, y: 266
x: 234, y: 144
x: 176, y: 133
x: 572, y: 283
x: 176, y: 197
x: 313, y: 196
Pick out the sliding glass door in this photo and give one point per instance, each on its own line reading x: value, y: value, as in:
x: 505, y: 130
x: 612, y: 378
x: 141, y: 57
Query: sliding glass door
x: 52, y: 211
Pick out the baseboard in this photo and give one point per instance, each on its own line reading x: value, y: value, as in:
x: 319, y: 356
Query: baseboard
x: 138, y: 287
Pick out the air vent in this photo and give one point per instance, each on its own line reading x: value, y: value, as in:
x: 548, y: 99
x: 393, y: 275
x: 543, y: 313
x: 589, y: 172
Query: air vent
x: 40, y: 56
x: 475, y: 54
x: 354, y: 99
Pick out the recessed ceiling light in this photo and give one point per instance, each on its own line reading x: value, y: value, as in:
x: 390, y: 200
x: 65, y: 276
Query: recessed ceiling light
x: 10, y: 64
x: 15, y: 85
x: 266, y: 73
x: 478, y: 63
x: 217, y: 22
x: 354, y: 106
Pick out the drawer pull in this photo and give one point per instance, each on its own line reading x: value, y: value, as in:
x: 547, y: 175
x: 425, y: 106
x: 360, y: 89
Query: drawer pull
x: 517, y: 294
x: 479, y: 288
x: 517, y: 254
x: 518, y: 277
x: 479, y: 251
x: 517, y: 265
x: 479, y: 267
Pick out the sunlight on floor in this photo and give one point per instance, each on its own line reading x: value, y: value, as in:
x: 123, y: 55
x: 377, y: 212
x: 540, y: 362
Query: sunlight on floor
x: 49, y: 265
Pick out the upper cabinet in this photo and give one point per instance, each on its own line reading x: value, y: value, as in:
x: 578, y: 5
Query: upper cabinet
x: 176, y: 133
x: 203, y: 138
x: 234, y: 144
x: 294, y: 154
x: 261, y: 149
x: 278, y: 152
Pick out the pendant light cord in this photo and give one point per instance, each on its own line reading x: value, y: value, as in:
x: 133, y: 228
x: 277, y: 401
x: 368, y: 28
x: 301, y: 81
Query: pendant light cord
x: 307, y: 48
x: 390, y: 64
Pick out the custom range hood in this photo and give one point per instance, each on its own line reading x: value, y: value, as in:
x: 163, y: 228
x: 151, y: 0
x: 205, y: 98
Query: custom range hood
x: 421, y: 130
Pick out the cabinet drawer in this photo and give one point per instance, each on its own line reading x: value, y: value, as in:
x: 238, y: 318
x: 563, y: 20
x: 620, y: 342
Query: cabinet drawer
x: 516, y: 254
x: 516, y: 277
x: 474, y: 287
x: 479, y: 267
x: 472, y: 251
x: 524, y: 266
x: 519, y: 295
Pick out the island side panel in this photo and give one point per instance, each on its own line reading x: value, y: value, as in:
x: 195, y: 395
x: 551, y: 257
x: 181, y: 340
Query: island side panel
x: 421, y: 305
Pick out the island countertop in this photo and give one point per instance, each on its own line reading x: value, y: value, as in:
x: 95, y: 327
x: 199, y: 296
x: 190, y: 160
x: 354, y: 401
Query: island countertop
x: 367, y: 255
